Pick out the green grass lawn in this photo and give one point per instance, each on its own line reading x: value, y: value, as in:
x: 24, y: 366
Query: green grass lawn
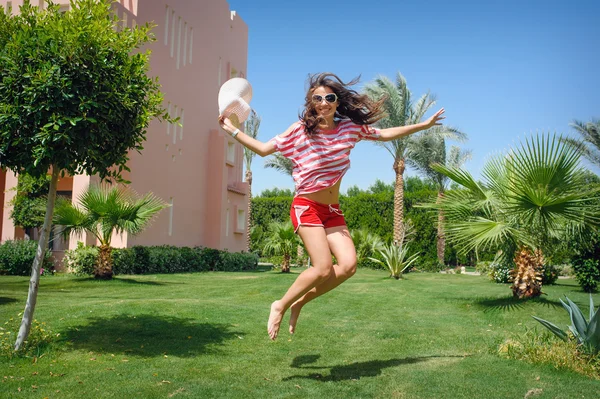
x: 204, y: 335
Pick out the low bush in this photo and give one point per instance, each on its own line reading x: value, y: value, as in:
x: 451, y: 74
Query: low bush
x: 40, y: 336
x: 16, y: 257
x: 161, y: 259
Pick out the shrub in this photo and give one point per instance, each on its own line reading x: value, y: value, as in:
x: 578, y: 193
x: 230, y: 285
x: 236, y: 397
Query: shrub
x: 550, y: 274
x: 500, y: 273
x: 238, y: 261
x: 81, y: 260
x: 161, y: 259
x: 587, y: 272
x: 124, y: 261
x: 16, y: 257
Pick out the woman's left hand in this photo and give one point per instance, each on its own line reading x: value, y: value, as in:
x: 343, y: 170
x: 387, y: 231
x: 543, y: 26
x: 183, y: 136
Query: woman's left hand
x: 435, y: 119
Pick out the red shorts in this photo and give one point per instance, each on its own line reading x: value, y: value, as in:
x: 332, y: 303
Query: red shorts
x: 306, y: 212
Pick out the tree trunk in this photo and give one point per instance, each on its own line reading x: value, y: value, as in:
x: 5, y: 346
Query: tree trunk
x: 103, y: 269
x: 34, y: 281
x: 285, y: 264
x: 248, y: 221
x: 527, y: 274
x: 399, y: 167
x: 441, y: 236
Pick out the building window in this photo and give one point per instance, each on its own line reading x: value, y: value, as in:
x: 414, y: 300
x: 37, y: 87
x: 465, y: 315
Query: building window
x: 230, y: 153
x: 171, y: 218
x: 241, y: 219
x: 227, y: 223
x: 167, y: 26
x: 179, y: 43
x: 175, y: 125
x: 172, y: 32
x: 181, y: 127
x: 185, y: 29
x: 191, y: 43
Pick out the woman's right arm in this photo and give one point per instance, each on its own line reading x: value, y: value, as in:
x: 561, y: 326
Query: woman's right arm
x: 262, y: 149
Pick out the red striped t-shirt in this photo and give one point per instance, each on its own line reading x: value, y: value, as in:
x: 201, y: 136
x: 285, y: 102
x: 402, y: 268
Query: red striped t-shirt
x: 321, y: 159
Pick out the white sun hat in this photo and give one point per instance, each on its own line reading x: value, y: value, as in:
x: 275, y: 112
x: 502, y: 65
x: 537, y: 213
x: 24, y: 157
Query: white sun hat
x: 234, y: 99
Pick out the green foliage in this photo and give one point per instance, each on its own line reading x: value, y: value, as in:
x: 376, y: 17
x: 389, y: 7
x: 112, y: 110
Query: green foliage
x: 29, y: 203
x: 16, y: 257
x: 540, y: 348
x: 281, y: 239
x: 367, y: 245
x: 81, y: 260
x: 586, y: 261
x: 550, y: 274
x: 107, y: 209
x: 396, y: 259
x: 587, y: 272
x: 161, y: 259
x: 372, y: 212
x: 40, y: 336
x: 270, y: 209
x: 586, y: 334
x: 74, y: 90
x: 276, y: 192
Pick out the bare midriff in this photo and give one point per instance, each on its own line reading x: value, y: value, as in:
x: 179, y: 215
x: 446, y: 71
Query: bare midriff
x: 329, y: 195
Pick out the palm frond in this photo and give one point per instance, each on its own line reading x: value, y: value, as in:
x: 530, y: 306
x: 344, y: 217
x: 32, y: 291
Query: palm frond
x: 280, y: 163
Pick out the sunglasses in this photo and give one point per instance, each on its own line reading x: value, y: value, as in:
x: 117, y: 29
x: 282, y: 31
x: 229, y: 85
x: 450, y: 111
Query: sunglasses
x: 330, y: 98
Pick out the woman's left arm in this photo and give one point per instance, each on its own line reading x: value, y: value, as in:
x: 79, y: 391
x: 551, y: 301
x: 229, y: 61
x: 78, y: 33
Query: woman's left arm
x: 393, y: 133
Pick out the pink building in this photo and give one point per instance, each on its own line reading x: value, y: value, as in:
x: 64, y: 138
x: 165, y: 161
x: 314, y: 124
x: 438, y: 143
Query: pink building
x: 197, y: 168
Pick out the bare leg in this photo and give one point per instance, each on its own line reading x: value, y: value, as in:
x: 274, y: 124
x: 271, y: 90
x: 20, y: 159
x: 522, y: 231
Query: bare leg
x: 317, y: 246
x: 342, y: 247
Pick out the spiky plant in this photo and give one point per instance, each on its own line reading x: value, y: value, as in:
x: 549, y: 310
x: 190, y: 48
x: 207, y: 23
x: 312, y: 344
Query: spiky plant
x: 102, y: 210
x: 532, y: 195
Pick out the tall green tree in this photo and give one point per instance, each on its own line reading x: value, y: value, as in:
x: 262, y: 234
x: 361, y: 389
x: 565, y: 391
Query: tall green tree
x: 102, y: 211
x: 535, y: 194
x: 590, y: 133
x: 401, y: 111
x: 251, y: 129
x: 430, y: 148
x: 74, y: 98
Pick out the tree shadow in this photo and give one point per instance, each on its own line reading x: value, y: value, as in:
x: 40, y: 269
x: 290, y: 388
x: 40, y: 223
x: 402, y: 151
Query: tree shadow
x: 353, y: 371
x: 149, y: 336
x: 507, y: 304
x: 5, y: 300
x: 117, y: 280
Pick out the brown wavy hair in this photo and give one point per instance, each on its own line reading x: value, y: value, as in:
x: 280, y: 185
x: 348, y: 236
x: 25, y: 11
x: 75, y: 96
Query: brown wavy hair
x: 359, y: 108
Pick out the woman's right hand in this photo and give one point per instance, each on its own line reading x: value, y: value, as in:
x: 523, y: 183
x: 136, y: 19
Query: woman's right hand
x: 226, y: 124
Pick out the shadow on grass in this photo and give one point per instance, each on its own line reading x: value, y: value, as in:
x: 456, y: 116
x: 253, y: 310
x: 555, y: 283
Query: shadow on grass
x: 511, y: 303
x: 4, y: 300
x: 149, y: 336
x: 117, y: 280
x: 352, y: 371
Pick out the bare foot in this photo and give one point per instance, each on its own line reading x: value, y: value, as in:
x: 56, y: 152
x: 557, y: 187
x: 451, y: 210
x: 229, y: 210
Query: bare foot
x: 295, y: 312
x: 275, y: 319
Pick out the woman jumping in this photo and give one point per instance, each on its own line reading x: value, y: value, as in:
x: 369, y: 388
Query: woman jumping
x: 334, y: 119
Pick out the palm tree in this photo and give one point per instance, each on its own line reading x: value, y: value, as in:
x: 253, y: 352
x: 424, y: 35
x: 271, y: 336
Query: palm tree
x: 280, y: 163
x: 103, y: 210
x: 590, y: 132
x: 281, y: 240
x: 530, y: 197
x: 252, y: 126
x: 401, y: 111
x: 428, y: 148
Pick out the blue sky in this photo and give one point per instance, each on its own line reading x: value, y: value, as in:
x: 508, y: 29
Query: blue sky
x: 502, y: 69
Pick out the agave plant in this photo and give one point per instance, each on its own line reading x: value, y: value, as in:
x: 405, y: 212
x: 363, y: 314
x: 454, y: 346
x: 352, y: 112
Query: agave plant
x: 396, y: 259
x: 586, y: 333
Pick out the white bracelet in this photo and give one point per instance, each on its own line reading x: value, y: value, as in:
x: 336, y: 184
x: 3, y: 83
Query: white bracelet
x: 235, y: 133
